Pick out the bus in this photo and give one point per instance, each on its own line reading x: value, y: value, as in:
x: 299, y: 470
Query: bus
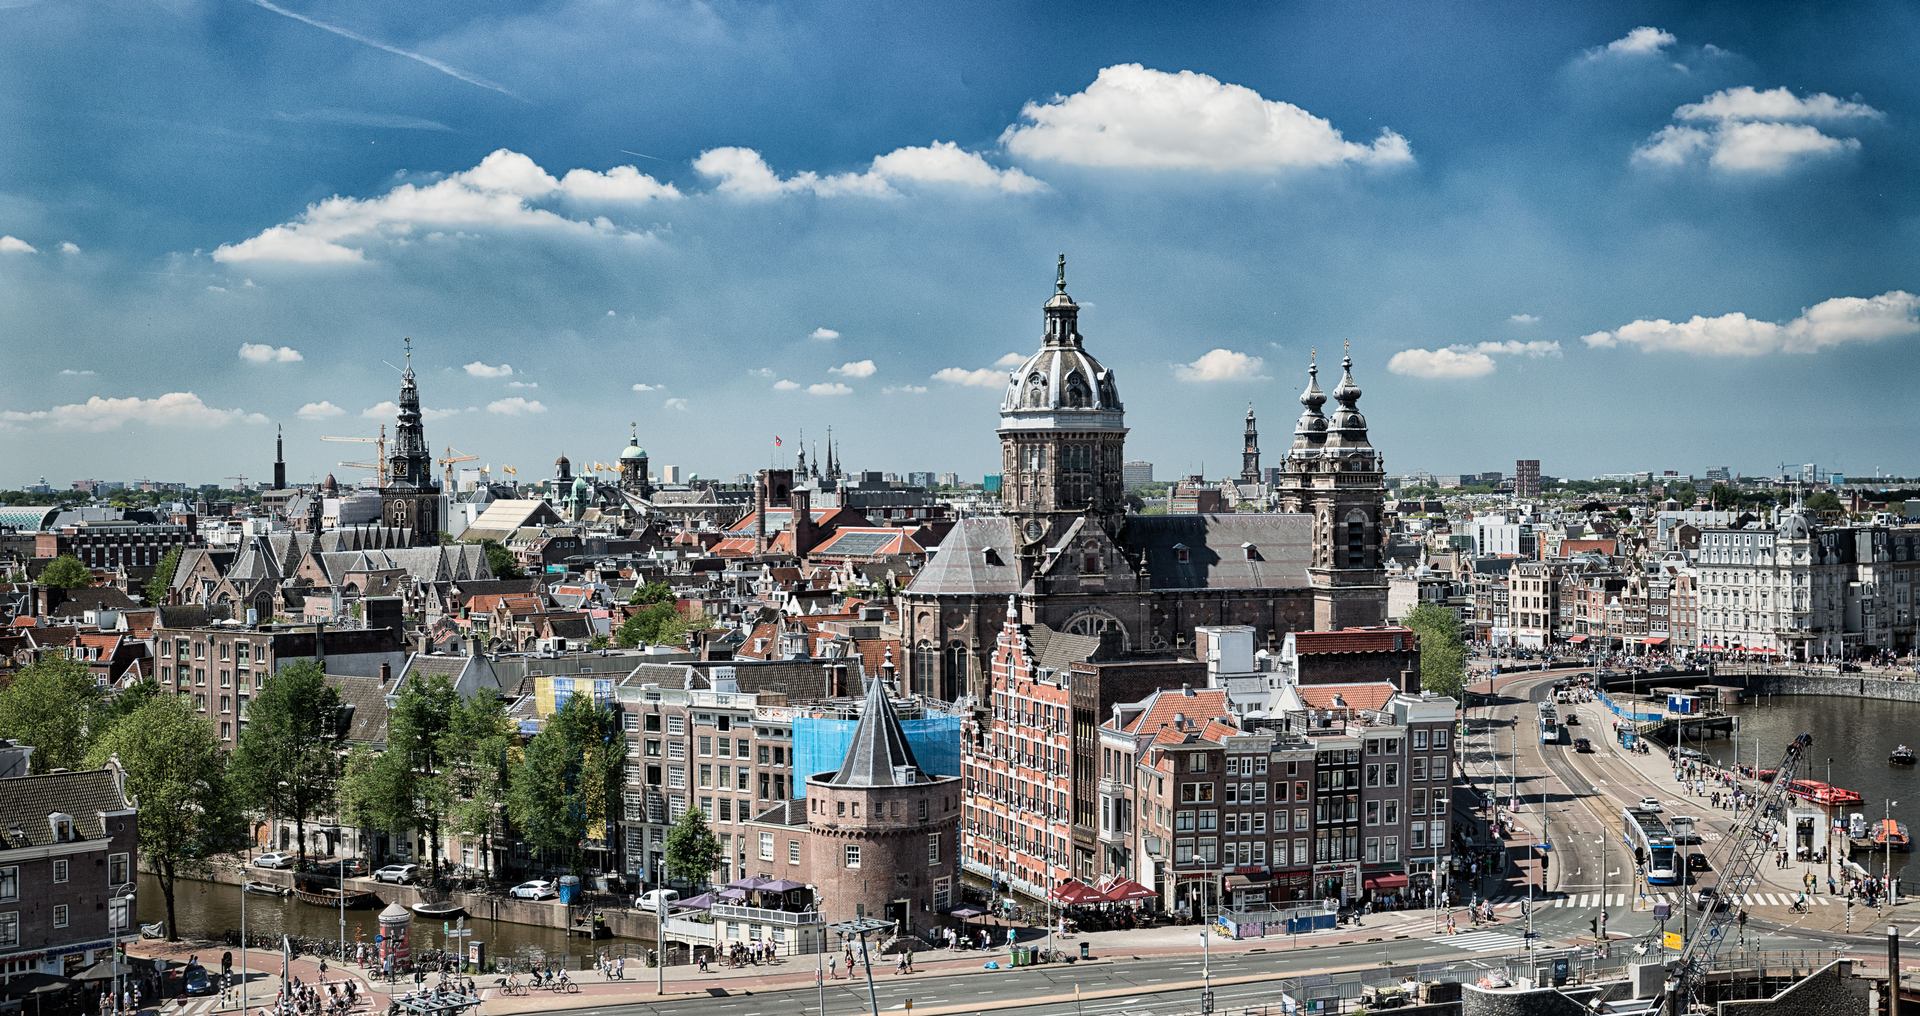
x: 1549, y: 724
x: 1652, y: 846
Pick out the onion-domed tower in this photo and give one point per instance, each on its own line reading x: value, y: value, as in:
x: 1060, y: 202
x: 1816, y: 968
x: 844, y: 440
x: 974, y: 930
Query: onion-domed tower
x: 634, y: 478
x: 1334, y: 474
x: 1062, y: 432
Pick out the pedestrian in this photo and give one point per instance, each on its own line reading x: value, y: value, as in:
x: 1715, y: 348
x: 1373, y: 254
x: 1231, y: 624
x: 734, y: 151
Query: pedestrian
x: 833, y: 967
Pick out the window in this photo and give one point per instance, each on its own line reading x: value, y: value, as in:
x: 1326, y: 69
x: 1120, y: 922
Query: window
x: 1419, y: 768
x: 852, y: 855
x: 793, y: 851
x: 10, y: 930
x: 60, y: 915
x: 677, y: 725
x: 766, y: 846
x: 1393, y: 774
x: 1419, y: 740
x: 933, y: 849
x: 706, y: 746
x: 1373, y: 850
x: 1391, y: 851
x: 1198, y: 763
x: 1439, y: 740
x: 59, y: 870
x: 119, y: 869
x: 1391, y: 813
x: 10, y: 883
x: 677, y: 777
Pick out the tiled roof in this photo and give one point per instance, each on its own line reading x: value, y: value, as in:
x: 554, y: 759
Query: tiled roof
x: 1223, y: 551
x: 1381, y: 639
x: 1360, y: 695
x: 79, y: 601
x: 1195, y: 704
x: 367, y: 698
x: 879, y: 755
x: 26, y: 801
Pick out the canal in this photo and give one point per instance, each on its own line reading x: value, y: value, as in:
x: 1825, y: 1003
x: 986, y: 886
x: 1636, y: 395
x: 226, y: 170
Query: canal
x: 209, y: 909
x: 1852, y: 734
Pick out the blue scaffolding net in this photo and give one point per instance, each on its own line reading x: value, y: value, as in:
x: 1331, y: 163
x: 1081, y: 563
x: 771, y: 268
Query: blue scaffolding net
x: 820, y: 745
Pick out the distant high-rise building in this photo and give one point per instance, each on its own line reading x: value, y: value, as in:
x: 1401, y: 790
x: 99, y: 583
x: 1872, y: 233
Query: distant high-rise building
x: 949, y: 479
x: 279, y: 461
x: 1136, y: 474
x: 670, y: 474
x: 1526, y: 478
x: 1719, y: 474
x: 919, y: 478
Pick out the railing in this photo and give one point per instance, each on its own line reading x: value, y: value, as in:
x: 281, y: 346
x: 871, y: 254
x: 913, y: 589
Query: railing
x: 688, y: 930
x: 734, y: 912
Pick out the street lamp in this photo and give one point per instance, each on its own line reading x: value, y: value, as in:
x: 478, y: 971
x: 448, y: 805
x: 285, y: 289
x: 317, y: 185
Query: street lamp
x: 861, y: 927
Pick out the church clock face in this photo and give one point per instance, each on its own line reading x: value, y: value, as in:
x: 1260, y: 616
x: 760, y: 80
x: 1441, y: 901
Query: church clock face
x: 1035, y: 530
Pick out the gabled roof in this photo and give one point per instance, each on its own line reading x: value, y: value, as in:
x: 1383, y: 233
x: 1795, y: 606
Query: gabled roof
x: 1223, y: 551
x: 976, y: 559
x: 879, y: 755
x: 1360, y: 695
x: 26, y: 801
x: 1195, y: 704
x: 1380, y: 639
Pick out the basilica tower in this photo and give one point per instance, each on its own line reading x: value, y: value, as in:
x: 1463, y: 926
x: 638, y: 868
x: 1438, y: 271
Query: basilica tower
x: 411, y: 500
x: 1062, y: 432
x: 1333, y: 473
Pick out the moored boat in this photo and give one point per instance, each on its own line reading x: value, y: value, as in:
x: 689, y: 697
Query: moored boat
x: 1823, y: 793
x: 1891, y: 833
x: 1901, y: 756
x: 439, y: 909
x: 329, y: 897
x: 260, y: 888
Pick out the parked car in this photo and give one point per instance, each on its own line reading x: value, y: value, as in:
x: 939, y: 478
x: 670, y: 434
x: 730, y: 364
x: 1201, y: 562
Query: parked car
x: 1649, y: 804
x: 1583, y: 746
x: 535, y: 889
x: 196, y: 981
x: 274, y: 859
x: 356, y: 867
x: 654, y: 899
x: 398, y: 874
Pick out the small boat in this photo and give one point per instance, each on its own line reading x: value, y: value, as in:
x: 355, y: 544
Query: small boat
x: 259, y: 888
x: 1856, y: 825
x: 354, y: 899
x: 1901, y: 756
x: 1823, y: 793
x: 157, y: 929
x: 439, y: 910
x: 1891, y: 834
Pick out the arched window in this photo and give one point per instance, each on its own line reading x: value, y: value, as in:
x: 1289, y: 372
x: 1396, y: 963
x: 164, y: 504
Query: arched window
x: 953, y: 674
x: 926, y: 667
x: 1077, y: 395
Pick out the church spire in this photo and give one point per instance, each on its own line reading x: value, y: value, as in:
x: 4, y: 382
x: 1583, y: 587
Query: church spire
x: 1250, y: 451
x: 279, y: 460
x: 409, y: 461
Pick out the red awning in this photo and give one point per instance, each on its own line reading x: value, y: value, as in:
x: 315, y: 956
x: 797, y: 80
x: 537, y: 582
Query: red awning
x: 1657, y: 640
x: 1576, y: 638
x: 1763, y: 650
x: 1385, y: 882
x: 1073, y: 893
x: 1127, y: 891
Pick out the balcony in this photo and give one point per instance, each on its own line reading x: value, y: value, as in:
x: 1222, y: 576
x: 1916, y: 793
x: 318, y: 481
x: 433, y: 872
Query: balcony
x: 761, y: 915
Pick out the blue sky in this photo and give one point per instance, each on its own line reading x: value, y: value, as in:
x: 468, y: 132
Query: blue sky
x: 1610, y: 237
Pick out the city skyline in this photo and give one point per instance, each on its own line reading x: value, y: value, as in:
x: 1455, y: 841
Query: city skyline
x: 730, y: 224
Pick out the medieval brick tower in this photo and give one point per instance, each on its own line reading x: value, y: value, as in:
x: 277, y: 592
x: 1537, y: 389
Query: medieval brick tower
x: 411, y: 499
x: 1250, y: 451
x: 1333, y: 473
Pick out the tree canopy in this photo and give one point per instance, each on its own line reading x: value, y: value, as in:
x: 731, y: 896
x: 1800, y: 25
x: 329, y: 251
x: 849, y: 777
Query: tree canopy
x: 67, y: 572
x: 501, y: 561
x: 652, y: 592
x: 1443, y: 653
x: 285, y: 760
x: 55, y: 705
x: 655, y: 624
x: 177, y: 771
x: 567, y: 789
x: 693, y: 852
x: 1824, y: 501
x: 162, y: 580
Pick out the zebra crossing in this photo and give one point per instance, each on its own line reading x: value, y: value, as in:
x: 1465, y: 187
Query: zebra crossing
x: 1593, y: 900
x: 1486, y: 941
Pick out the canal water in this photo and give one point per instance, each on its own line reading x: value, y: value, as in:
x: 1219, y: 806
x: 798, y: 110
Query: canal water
x: 210, y: 909
x: 1856, y: 734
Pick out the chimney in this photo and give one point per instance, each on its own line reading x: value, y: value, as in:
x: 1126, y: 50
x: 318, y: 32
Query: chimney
x: 386, y: 673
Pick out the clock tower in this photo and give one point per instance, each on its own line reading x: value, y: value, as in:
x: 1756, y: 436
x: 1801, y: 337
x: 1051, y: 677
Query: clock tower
x: 1062, y: 432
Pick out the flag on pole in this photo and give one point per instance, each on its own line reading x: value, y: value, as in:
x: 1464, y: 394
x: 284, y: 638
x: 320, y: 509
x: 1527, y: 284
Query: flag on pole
x: 776, y: 440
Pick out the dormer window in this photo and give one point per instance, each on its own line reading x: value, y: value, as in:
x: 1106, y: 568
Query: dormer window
x: 1180, y: 553
x: 61, y: 824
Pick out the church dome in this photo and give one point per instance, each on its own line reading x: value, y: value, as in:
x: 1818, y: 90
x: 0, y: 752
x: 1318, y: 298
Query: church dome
x: 634, y: 452
x: 1061, y: 384
x: 580, y: 487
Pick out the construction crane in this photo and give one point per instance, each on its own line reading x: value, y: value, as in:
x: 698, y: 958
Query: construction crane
x: 239, y: 482
x: 453, y: 456
x: 379, y: 466
x: 1739, y: 872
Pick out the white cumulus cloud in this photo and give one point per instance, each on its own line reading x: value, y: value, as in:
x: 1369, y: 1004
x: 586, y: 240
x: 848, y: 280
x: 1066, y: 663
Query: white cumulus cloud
x: 1010, y: 361
x: 985, y: 377
x: 69, y: 247
x: 505, y: 191
x: 1746, y: 131
x: 854, y: 368
x: 77, y: 372
x: 174, y: 409
x: 1536, y: 348
x: 1643, y: 41
x: 479, y: 369
x: 260, y: 352
x: 744, y: 173
x: 1136, y: 117
x: 642, y: 386
x: 1221, y: 365
x: 322, y: 410
x: 786, y: 385
x: 677, y: 405
x: 523, y: 384
x: 1839, y: 321
x: 15, y: 245
x: 1447, y: 363
x: 515, y: 405
x: 905, y: 389
x: 828, y: 388
x: 381, y: 410
x: 823, y: 335
x: 1523, y: 319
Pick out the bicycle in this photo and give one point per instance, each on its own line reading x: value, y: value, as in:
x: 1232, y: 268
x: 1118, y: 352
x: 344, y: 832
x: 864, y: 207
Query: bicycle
x: 563, y: 985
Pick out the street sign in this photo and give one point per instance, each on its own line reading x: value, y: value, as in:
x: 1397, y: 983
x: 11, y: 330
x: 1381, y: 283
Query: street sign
x: 1206, y: 1003
x: 1671, y: 940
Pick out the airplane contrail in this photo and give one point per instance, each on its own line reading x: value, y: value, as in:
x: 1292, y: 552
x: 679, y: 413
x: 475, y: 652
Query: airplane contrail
x: 643, y: 155
x: 444, y: 68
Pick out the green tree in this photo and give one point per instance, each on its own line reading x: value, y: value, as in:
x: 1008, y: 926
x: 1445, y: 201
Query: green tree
x: 177, y: 772
x: 66, y: 572
x: 651, y: 625
x: 128, y: 701
x: 1825, y: 501
x: 286, y: 761
x: 693, y: 852
x: 417, y: 737
x: 652, y: 592
x: 1722, y: 496
x: 162, y: 580
x: 56, y: 706
x: 372, y: 793
x: 567, y: 788
x: 1443, y: 654
x: 486, y: 749
x: 501, y: 561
